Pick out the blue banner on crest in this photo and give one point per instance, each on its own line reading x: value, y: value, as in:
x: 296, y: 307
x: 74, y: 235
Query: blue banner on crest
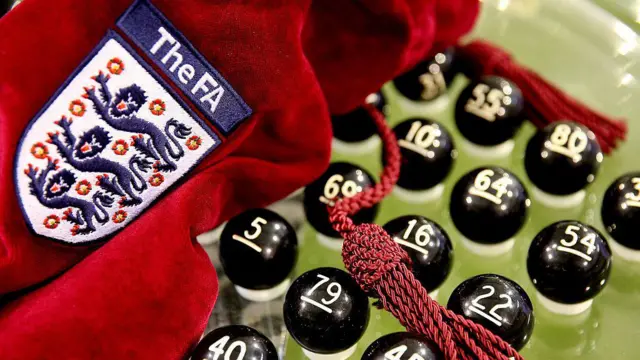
x: 174, y: 55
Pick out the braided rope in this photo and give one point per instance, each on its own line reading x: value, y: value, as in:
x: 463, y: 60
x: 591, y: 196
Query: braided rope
x: 382, y: 269
x: 544, y: 102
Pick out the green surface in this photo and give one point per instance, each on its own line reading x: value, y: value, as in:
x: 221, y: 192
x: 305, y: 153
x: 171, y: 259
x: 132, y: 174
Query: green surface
x: 591, y: 55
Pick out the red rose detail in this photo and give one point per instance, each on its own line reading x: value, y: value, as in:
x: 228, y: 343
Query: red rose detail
x: 51, y: 222
x: 194, y: 142
x: 39, y: 151
x: 115, y: 66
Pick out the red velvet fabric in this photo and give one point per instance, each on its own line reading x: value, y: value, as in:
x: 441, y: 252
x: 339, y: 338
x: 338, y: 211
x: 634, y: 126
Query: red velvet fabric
x: 148, y: 292
x: 357, y: 46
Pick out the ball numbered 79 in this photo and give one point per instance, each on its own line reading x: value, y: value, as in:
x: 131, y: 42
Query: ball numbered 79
x: 339, y: 181
x: 326, y: 312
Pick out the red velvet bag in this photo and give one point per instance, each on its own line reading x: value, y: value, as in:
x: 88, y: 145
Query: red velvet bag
x: 126, y: 130
x: 356, y: 47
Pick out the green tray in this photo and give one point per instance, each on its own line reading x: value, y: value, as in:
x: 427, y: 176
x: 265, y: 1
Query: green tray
x: 591, y: 55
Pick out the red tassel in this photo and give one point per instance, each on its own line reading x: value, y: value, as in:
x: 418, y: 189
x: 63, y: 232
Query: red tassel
x: 544, y: 103
x: 382, y: 269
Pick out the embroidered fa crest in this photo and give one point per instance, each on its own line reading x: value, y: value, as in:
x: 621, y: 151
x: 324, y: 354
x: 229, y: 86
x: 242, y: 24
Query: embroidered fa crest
x: 116, y: 135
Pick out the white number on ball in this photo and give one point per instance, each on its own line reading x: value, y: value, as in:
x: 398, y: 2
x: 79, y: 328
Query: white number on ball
x: 332, y: 189
x: 257, y: 225
x: 333, y: 290
x: 634, y: 199
x: 486, y: 103
x: 434, y: 85
x: 398, y: 352
x: 483, y: 182
x: 217, y: 349
x: 567, y: 142
x: 420, y: 137
x: 492, y: 315
x: 568, y: 246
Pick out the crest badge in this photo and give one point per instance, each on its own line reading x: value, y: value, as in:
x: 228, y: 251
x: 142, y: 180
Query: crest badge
x: 116, y: 135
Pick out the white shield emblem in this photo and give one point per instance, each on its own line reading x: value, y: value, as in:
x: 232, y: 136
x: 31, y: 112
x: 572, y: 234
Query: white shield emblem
x: 110, y: 142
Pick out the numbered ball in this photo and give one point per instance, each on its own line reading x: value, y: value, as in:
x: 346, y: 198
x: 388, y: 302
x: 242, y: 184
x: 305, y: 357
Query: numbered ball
x: 498, y: 304
x: 429, y: 79
x: 326, y: 312
x: 621, y: 214
x: 258, y: 250
x: 427, y: 153
x: 401, y: 346
x: 428, y: 246
x: 563, y: 158
x: 358, y: 126
x: 489, y: 205
x: 489, y: 111
x: 569, y: 263
x: 235, y: 342
x: 339, y: 181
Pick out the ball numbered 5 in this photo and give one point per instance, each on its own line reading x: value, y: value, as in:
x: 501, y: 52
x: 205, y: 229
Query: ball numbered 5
x: 427, y: 153
x: 339, y: 181
x: 429, y: 79
x: 258, y: 250
x: 489, y: 111
x: 563, y: 158
x: 234, y: 342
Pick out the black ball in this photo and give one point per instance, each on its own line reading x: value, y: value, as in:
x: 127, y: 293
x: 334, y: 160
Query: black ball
x: 325, y: 311
x: 498, y: 304
x: 621, y: 210
x: 429, y: 79
x: 563, y: 158
x: 338, y: 181
x: 403, y: 346
x: 258, y: 249
x: 357, y: 125
x: 489, y: 205
x: 569, y: 262
x: 427, y: 153
x: 489, y: 111
x: 235, y: 342
x: 428, y: 246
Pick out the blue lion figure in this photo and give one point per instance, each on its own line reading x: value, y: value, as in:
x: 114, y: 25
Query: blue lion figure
x: 84, y: 155
x: 120, y: 111
x: 53, y: 194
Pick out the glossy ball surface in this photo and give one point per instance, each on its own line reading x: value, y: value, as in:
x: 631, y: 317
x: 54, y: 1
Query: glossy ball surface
x: 429, y: 79
x: 563, y: 158
x: 325, y: 311
x: 235, y: 342
x: 489, y: 111
x: 427, y: 152
x: 489, y: 205
x: 357, y: 125
x: 258, y: 249
x: 497, y: 303
x: 569, y: 262
x: 339, y: 181
x: 621, y: 210
x: 428, y: 246
x: 402, y: 345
